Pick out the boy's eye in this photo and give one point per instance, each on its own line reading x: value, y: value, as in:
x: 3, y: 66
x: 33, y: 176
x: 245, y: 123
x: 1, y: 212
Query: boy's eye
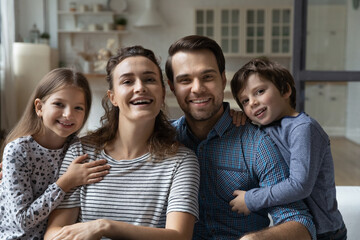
x: 244, y: 102
x: 260, y: 91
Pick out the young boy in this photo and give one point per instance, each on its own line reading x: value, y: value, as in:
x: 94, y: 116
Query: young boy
x: 265, y: 91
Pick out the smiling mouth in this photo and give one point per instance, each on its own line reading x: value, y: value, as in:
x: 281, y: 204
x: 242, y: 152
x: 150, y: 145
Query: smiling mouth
x: 66, y: 124
x: 199, y: 101
x: 141, y: 102
x: 257, y: 113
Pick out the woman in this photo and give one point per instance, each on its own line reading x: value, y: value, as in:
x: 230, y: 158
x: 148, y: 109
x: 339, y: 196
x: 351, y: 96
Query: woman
x: 151, y: 189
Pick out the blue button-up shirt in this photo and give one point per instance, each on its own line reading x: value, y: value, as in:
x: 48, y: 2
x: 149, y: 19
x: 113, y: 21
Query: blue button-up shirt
x: 234, y: 158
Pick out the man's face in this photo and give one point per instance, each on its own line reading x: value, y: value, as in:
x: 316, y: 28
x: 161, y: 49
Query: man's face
x: 198, y: 85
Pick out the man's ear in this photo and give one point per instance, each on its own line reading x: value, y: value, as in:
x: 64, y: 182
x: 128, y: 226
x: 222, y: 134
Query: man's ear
x: 171, y: 86
x: 223, y: 77
x: 38, y: 107
x: 110, y: 95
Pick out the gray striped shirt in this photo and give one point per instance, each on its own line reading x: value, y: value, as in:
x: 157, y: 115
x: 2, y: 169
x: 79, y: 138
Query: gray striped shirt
x: 139, y: 191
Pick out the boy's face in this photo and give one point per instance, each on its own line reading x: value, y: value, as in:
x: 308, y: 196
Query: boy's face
x: 262, y: 101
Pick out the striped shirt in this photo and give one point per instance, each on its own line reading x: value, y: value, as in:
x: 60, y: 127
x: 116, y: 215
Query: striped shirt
x: 139, y: 191
x: 237, y: 158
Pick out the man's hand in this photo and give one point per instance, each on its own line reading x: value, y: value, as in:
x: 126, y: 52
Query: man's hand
x: 239, y: 117
x: 238, y: 203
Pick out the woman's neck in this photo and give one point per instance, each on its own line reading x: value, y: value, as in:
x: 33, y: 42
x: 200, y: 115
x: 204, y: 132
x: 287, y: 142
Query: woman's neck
x: 131, y: 140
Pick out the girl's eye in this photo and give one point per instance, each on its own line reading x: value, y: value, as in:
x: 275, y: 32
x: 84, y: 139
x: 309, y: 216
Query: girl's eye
x: 79, y: 108
x: 58, y: 104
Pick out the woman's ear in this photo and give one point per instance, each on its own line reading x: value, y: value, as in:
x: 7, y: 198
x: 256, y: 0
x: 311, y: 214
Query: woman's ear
x: 38, y: 107
x: 110, y: 95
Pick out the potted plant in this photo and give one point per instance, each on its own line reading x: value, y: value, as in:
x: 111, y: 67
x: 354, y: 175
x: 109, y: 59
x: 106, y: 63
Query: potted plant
x: 44, y: 38
x: 120, y: 23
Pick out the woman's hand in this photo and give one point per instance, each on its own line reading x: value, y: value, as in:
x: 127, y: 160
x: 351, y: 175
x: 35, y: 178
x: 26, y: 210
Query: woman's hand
x: 80, y: 231
x: 79, y: 173
x: 239, y: 117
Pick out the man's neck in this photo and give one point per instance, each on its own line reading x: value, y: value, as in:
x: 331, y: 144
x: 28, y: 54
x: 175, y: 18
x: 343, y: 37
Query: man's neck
x: 201, y: 128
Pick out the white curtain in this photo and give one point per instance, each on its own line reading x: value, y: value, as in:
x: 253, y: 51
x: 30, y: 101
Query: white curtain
x: 7, y: 84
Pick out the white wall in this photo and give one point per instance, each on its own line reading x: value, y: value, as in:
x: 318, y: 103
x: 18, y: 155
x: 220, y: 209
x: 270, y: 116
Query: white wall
x: 352, y: 64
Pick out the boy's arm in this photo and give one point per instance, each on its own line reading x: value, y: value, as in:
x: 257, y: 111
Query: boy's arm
x: 272, y: 169
x: 306, y: 155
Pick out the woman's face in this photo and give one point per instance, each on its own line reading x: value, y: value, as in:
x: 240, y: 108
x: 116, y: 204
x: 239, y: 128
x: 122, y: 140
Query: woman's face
x: 137, y: 89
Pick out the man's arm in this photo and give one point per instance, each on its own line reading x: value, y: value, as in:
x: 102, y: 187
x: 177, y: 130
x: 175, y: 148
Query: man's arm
x: 287, y: 230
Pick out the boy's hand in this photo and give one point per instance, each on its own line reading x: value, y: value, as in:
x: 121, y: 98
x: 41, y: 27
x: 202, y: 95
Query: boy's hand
x: 79, y: 173
x: 238, y: 203
x: 239, y: 117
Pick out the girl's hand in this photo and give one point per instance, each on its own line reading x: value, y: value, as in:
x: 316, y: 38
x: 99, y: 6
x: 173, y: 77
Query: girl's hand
x: 79, y: 231
x: 238, y: 203
x: 79, y: 173
x: 239, y: 117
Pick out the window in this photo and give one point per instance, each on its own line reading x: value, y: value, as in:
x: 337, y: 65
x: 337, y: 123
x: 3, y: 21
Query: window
x: 248, y: 32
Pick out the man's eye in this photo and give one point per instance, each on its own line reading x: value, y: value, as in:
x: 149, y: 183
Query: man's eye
x: 184, y: 80
x: 208, y: 77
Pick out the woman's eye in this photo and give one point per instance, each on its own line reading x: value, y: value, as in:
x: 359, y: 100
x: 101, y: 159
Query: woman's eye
x: 126, y: 82
x: 150, y: 80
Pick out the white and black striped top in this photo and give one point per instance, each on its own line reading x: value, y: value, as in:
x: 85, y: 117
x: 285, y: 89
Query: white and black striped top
x: 140, y: 191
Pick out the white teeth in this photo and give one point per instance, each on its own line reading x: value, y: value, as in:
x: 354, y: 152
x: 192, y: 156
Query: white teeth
x: 200, y: 101
x: 259, y: 112
x: 66, y: 124
x: 143, y: 101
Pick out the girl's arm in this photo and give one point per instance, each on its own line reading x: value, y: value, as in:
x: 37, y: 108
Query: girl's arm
x: 179, y: 225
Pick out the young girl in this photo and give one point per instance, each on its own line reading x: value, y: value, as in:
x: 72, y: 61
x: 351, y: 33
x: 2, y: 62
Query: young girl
x: 152, y: 188
x: 34, y: 152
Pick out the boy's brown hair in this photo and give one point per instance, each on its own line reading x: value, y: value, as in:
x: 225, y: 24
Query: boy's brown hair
x: 268, y: 70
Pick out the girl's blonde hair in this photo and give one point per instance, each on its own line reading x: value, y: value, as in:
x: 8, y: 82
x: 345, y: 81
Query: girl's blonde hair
x: 55, y: 80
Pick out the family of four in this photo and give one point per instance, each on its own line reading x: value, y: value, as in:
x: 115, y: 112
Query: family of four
x: 141, y: 176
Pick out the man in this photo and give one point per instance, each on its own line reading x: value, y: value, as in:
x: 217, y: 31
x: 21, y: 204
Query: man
x: 231, y: 158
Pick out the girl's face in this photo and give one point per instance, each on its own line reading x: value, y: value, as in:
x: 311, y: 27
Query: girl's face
x: 63, y: 112
x: 137, y: 89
